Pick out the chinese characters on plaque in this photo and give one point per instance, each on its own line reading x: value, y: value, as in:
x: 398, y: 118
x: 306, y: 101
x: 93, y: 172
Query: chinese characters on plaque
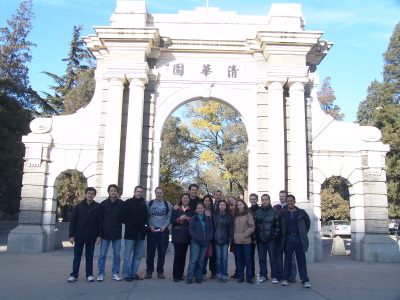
x: 206, y: 70
x: 232, y: 71
x: 179, y: 69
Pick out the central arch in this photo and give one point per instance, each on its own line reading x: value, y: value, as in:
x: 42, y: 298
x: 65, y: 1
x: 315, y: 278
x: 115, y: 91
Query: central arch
x: 233, y: 98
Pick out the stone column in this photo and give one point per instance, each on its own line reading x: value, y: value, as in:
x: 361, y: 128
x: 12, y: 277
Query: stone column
x: 276, y: 139
x: 252, y: 169
x: 298, y: 143
x: 134, y: 130
x: 112, y: 141
x: 155, y: 178
x: 318, y: 245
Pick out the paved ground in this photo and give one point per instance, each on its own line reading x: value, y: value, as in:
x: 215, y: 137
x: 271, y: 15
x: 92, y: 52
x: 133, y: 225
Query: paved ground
x: 44, y: 276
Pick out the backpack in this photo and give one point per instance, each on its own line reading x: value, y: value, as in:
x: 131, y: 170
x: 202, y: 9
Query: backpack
x: 165, y: 203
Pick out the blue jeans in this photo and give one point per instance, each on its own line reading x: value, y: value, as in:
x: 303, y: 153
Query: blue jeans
x: 243, y: 256
x: 279, y: 261
x: 130, y: 268
x: 159, y: 241
x: 89, y: 252
x: 293, y: 245
x: 116, y: 245
x: 196, y: 262
x: 221, y: 253
x: 263, y: 248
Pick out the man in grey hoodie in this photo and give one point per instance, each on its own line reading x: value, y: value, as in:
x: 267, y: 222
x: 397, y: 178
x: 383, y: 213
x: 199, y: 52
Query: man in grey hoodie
x: 159, y: 212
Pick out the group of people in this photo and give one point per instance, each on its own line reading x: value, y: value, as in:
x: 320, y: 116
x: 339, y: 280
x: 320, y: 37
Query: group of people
x: 210, y: 227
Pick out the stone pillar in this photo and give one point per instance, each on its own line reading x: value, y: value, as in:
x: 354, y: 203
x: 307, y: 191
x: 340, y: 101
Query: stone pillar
x: 133, y: 149
x: 252, y: 169
x: 375, y: 245
x: 112, y: 141
x: 276, y: 139
x: 155, y: 178
x: 298, y: 143
x: 262, y: 137
x: 318, y: 245
x: 30, y: 235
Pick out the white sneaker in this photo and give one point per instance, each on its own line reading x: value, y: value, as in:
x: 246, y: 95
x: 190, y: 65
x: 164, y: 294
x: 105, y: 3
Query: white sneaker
x: 100, y: 278
x: 275, y: 281
x: 263, y: 279
x: 116, y: 277
x: 90, y: 278
x: 307, y: 285
x: 71, y: 279
x: 285, y: 283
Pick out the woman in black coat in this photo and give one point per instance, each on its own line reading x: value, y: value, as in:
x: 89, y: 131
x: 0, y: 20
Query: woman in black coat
x: 223, y: 235
x: 210, y: 259
x: 180, y: 219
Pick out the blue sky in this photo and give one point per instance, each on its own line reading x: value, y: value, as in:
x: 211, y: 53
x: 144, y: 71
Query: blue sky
x: 360, y: 30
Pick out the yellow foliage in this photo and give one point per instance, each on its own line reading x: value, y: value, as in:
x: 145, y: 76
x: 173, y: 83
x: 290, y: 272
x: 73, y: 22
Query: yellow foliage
x: 207, y: 156
x: 226, y: 175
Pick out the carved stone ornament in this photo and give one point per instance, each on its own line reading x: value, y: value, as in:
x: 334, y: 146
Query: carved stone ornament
x: 35, y: 155
x: 41, y: 125
x: 370, y: 133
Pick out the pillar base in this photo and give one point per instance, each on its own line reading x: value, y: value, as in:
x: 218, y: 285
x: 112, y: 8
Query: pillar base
x: 379, y: 248
x: 27, y: 238
x: 318, y: 247
x: 57, y: 239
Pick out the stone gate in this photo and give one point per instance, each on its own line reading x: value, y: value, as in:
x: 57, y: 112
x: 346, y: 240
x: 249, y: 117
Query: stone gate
x: 264, y: 67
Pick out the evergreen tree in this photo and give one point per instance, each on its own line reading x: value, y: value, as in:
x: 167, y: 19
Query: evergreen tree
x: 75, y: 88
x: 15, y: 54
x: 326, y: 97
x: 333, y: 206
x: 17, y: 101
x: 381, y: 108
x: 14, y: 122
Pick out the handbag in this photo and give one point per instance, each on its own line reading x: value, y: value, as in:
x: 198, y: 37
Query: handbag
x: 208, y: 252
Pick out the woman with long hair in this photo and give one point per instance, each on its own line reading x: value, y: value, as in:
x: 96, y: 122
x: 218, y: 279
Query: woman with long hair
x: 210, y: 259
x: 208, y: 205
x: 232, y: 207
x: 201, y: 232
x: 180, y: 219
x: 244, y: 227
x: 223, y: 235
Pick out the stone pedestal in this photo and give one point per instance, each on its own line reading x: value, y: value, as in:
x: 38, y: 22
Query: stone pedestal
x: 27, y: 238
x: 318, y: 246
x: 379, y: 248
x: 57, y: 239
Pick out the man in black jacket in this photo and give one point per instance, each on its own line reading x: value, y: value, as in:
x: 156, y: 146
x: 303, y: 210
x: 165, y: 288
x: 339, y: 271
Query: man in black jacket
x: 135, y: 218
x: 295, y: 226
x: 111, y: 232
x: 253, y: 199
x: 280, y: 207
x: 85, y: 231
x: 267, y: 222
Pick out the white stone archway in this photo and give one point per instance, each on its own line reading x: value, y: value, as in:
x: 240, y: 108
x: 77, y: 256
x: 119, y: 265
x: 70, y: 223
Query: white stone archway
x: 265, y: 67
